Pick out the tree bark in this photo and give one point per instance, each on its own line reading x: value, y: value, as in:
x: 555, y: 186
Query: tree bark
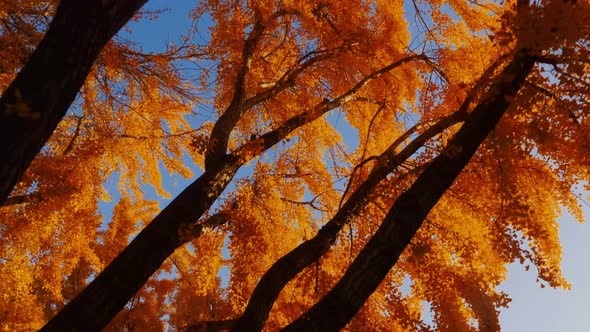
x: 287, y: 267
x: 406, y: 216
x: 22, y: 199
x: 106, y: 295
x: 38, y: 98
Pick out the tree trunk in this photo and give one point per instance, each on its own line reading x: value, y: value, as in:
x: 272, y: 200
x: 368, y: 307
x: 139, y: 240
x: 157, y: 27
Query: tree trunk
x: 38, y: 98
x: 288, y: 266
x: 106, y: 295
x: 404, y: 219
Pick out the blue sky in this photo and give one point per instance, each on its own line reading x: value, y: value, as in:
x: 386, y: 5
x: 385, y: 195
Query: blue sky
x: 532, y: 308
x: 545, y: 309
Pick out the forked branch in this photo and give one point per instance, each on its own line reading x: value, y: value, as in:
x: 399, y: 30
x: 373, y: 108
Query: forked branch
x: 288, y: 266
x: 406, y: 216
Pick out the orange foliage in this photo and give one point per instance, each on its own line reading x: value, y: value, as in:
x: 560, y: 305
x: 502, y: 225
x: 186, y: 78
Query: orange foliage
x: 139, y: 117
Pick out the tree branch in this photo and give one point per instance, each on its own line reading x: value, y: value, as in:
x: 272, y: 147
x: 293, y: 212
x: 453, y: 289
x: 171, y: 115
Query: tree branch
x: 288, y: 266
x: 288, y: 79
x: 190, y: 232
x: 23, y: 199
x: 406, y: 216
x: 70, y: 145
x: 226, y: 123
x: 38, y: 98
x: 270, y: 138
x: 106, y: 295
x: 218, y: 140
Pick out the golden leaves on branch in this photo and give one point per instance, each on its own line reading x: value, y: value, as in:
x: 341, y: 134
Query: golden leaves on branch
x: 322, y: 88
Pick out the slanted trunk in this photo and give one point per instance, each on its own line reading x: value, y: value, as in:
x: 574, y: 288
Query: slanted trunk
x: 38, y: 98
x: 308, y: 252
x: 406, y: 216
x: 106, y: 295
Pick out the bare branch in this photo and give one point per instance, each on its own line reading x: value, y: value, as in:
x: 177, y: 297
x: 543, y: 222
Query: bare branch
x: 22, y: 199
x: 269, y: 139
x: 547, y: 59
x: 70, y: 145
x: 311, y: 203
x: 159, y: 137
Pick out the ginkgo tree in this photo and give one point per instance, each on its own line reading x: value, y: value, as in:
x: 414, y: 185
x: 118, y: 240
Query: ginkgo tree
x: 470, y: 121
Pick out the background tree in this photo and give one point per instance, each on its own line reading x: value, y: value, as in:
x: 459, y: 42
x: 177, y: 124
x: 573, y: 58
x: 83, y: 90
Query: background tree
x: 283, y: 81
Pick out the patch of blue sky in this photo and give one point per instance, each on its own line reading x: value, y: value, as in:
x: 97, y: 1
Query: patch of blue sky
x: 349, y: 134
x: 156, y: 35
x: 427, y: 316
x: 546, y: 309
x: 418, y: 27
x: 105, y: 208
x: 153, y: 35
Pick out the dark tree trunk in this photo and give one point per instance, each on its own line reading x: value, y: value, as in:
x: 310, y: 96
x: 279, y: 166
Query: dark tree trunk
x: 106, y: 295
x: 381, y: 253
x: 308, y: 252
x: 38, y: 98
x: 94, y: 307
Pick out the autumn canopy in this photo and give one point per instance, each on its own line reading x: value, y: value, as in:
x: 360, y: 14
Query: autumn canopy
x: 342, y: 164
